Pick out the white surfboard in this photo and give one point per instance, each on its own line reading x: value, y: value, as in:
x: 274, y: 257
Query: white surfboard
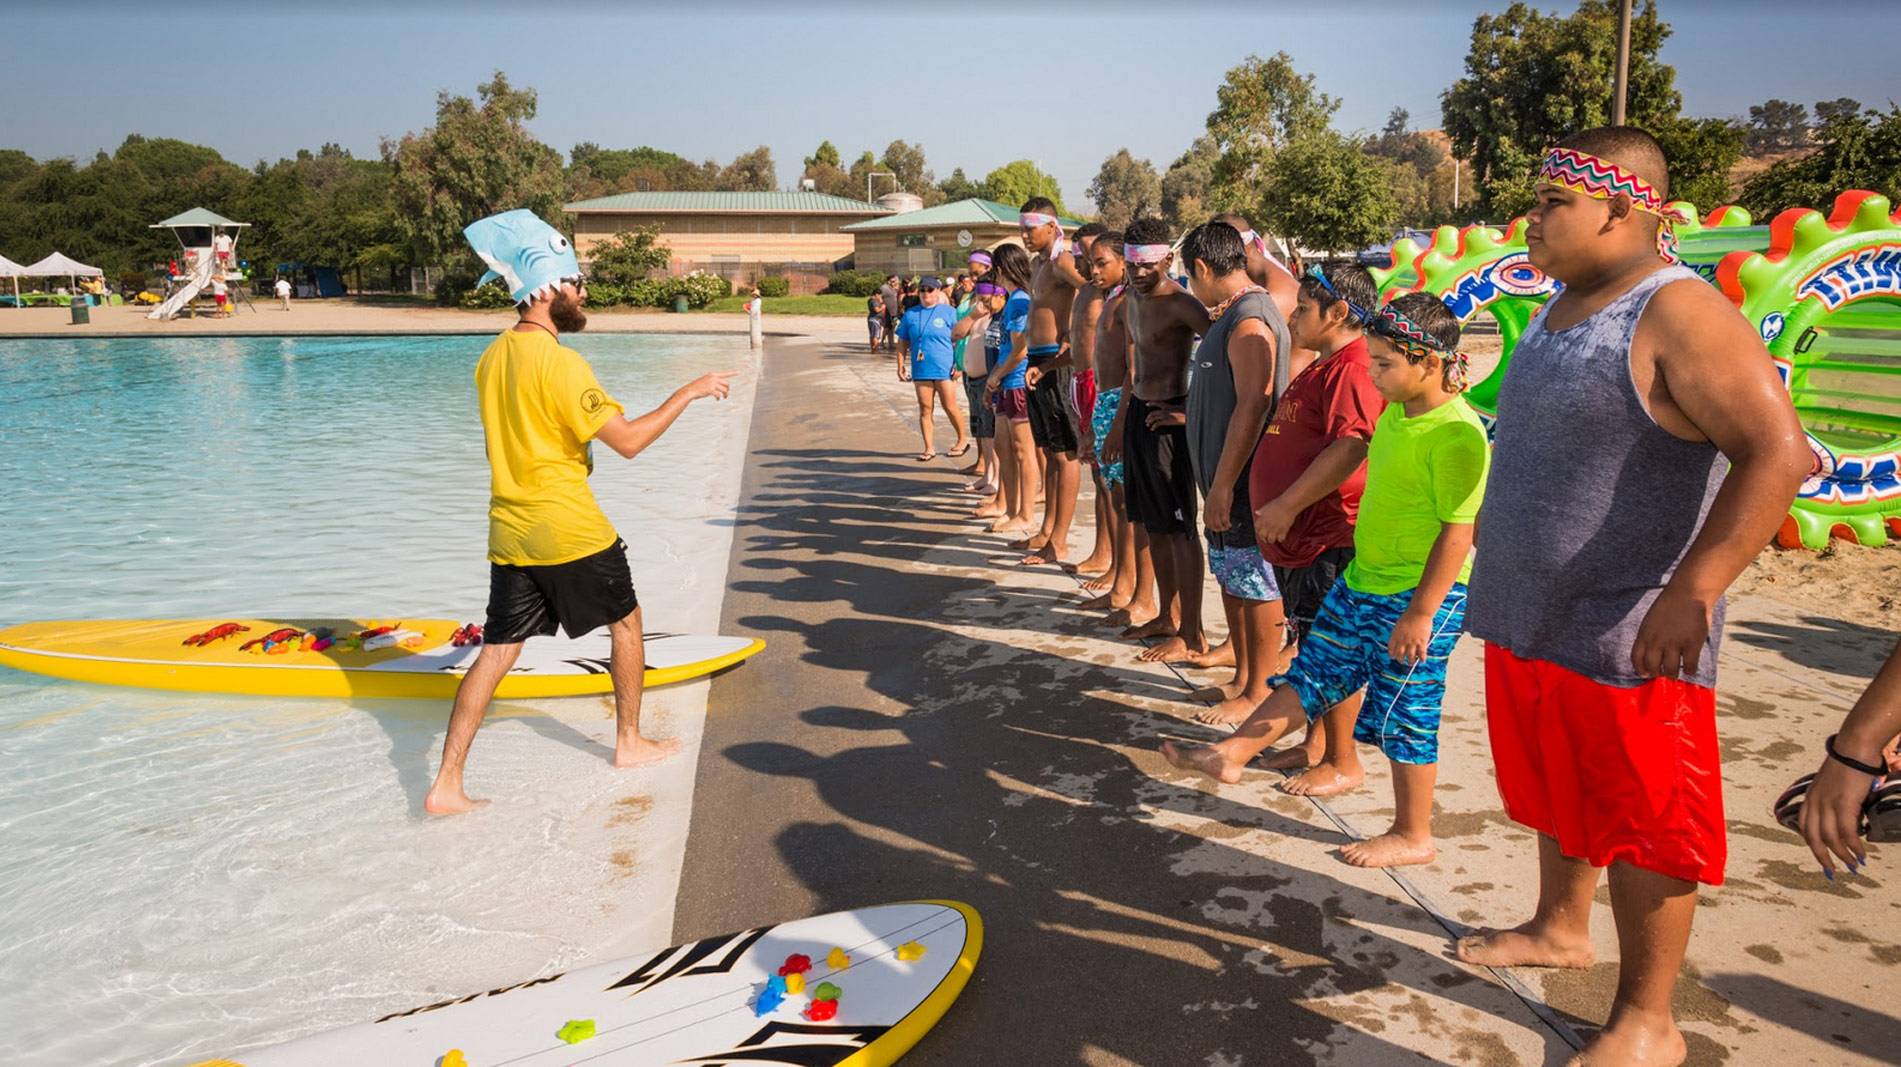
x: 690, y: 1004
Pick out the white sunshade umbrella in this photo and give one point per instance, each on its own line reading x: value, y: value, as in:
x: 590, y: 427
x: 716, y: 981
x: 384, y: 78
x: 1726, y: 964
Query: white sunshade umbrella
x: 10, y: 269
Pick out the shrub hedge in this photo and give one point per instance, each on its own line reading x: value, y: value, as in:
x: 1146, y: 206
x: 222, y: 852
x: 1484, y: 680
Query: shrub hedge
x: 774, y: 286
x: 855, y: 282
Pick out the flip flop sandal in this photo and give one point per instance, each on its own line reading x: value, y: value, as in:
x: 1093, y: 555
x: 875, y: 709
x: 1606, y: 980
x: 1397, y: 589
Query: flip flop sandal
x: 1788, y: 806
x: 1882, y: 813
x: 926, y: 457
x: 956, y: 452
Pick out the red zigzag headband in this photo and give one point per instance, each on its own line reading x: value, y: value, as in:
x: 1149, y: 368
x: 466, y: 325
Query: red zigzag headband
x: 1601, y: 179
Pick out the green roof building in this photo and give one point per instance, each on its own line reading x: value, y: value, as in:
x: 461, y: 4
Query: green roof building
x: 937, y: 238
x: 742, y: 236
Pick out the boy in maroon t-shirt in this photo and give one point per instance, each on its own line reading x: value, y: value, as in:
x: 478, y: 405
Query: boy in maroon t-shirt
x: 1309, y: 471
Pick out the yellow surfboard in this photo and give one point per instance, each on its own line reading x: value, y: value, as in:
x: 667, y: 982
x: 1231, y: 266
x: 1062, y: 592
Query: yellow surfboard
x: 414, y: 658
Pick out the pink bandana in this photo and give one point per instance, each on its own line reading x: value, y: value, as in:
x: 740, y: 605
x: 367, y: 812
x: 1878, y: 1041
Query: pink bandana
x: 1600, y: 179
x: 1146, y: 253
x: 1030, y: 220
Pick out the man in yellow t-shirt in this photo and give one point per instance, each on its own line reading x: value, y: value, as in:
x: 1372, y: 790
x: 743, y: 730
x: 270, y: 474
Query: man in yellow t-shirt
x: 553, y: 556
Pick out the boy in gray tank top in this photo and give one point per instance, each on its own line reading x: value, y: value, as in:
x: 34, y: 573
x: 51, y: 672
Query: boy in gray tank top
x: 1646, y: 451
x: 1240, y: 369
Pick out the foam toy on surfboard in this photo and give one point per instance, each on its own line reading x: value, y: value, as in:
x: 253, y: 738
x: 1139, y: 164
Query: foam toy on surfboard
x: 371, y: 658
x: 718, y: 1001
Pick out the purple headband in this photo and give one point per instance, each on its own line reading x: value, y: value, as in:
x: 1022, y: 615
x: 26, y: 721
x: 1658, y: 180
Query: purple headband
x: 980, y: 257
x: 987, y: 289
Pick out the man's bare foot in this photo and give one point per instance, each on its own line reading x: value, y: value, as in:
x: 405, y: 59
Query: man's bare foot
x: 1096, y: 603
x: 1030, y: 543
x: 1323, y: 779
x: 989, y: 509
x: 1041, y: 557
x: 1007, y: 525
x: 1230, y: 712
x: 1089, y: 568
x: 1525, y: 946
x: 441, y: 801
x: 1215, y: 694
x: 1153, y: 626
x: 1105, y: 580
x: 1221, y: 655
x: 981, y: 488
x: 1202, y: 759
x: 1297, y: 758
x: 1170, y: 651
x: 1627, y: 1042
x: 1389, y: 850
x: 973, y: 468
x: 643, y: 752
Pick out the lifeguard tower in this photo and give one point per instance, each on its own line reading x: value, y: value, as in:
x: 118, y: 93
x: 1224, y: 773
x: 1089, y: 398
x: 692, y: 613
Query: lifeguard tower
x: 209, y: 242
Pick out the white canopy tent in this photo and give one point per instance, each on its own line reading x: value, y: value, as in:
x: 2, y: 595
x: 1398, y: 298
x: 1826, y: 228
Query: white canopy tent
x: 58, y: 264
x: 10, y: 269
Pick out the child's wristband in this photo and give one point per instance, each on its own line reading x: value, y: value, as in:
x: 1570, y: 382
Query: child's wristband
x: 1850, y: 761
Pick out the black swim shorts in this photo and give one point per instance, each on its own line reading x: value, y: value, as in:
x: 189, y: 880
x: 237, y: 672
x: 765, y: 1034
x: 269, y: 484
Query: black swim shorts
x: 1052, y: 417
x: 1240, y: 531
x: 1160, y: 477
x: 582, y: 595
x: 1304, y: 588
x: 983, y: 420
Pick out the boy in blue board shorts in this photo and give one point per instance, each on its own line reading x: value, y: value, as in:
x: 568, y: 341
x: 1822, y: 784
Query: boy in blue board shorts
x: 1389, y: 624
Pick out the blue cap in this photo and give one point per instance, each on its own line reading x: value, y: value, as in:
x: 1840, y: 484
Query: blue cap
x: 930, y: 282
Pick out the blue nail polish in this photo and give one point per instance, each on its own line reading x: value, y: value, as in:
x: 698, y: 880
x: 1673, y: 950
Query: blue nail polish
x: 1828, y: 874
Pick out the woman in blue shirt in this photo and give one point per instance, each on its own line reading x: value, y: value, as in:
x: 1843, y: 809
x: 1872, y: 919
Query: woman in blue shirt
x: 925, y: 354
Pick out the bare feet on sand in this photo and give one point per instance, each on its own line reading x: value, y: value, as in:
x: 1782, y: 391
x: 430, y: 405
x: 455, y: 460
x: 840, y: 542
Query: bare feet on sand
x: 1297, y: 758
x: 1100, y: 582
x: 1173, y: 650
x: 642, y: 752
x: 1230, y: 712
x: 1524, y: 946
x: 1004, y: 525
x: 981, y: 489
x: 1040, y: 557
x: 1215, y: 694
x: 1221, y: 655
x: 1104, y: 602
x: 1627, y: 1042
x: 1323, y: 779
x: 450, y: 802
x: 1089, y: 568
x: 1389, y: 850
x: 1153, y: 626
x: 1202, y: 759
x: 989, y: 509
x: 1031, y: 543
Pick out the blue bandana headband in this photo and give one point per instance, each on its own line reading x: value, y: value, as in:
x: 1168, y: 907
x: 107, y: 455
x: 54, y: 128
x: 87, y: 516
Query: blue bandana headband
x: 528, y: 255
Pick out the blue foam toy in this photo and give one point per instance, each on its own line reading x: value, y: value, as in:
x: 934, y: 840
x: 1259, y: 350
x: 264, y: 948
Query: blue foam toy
x: 528, y: 255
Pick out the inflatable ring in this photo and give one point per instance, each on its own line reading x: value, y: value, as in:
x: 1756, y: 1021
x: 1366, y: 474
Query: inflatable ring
x: 1826, y: 299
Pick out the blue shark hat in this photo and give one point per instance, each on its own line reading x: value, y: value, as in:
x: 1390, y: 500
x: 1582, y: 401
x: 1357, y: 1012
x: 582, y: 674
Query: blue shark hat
x: 528, y: 255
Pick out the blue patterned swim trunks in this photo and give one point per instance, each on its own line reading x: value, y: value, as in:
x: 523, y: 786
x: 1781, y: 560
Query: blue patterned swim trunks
x: 1100, y: 420
x: 1346, y: 650
x: 1241, y: 572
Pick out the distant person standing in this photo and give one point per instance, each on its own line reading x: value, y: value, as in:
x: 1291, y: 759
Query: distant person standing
x: 874, y: 319
x: 893, y: 294
x: 554, y: 557
x: 282, y: 289
x: 220, y: 295
x: 221, y: 244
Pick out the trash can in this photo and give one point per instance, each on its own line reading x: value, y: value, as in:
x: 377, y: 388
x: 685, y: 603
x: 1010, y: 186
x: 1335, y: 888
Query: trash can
x: 82, y: 312
x: 679, y: 303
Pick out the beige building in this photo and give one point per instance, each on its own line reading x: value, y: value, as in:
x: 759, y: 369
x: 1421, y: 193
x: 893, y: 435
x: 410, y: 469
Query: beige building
x: 937, y: 238
x: 739, y: 235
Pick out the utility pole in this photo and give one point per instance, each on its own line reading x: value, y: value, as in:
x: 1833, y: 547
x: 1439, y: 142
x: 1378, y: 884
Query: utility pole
x: 1623, y: 64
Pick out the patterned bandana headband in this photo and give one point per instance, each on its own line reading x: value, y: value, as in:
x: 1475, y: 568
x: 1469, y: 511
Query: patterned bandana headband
x: 1146, y: 253
x: 1600, y: 179
x: 1030, y: 220
x: 1395, y: 326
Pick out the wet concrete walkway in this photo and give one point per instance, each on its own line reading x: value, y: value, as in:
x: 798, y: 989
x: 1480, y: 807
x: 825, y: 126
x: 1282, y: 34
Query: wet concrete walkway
x: 930, y: 721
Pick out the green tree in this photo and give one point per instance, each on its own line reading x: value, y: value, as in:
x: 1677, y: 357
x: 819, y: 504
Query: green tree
x: 1777, y: 126
x: 1185, y: 186
x: 1858, y: 151
x: 1017, y: 181
x: 477, y: 160
x: 825, y: 156
x: 957, y: 187
x: 1827, y: 111
x: 1420, y: 171
x: 628, y: 256
x: 751, y: 172
x: 906, y: 161
x: 1324, y: 192
x: 1261, y: 106
x: 1125, y: 188
x: 1701, y: 153
x: 1533, y: 79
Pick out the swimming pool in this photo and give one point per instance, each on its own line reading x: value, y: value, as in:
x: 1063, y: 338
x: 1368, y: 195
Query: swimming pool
x: 189, y: 875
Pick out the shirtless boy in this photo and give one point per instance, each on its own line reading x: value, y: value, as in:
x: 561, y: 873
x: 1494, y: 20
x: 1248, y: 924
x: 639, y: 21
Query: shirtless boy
x: 1609, y: 533
x: 1130, y: 592
x: 1163, y: 322
x: 1084, y: 313
x: 1053, y: 284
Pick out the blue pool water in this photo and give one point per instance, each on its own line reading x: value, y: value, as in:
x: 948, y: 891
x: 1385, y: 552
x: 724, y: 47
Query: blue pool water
x: 189, y: 875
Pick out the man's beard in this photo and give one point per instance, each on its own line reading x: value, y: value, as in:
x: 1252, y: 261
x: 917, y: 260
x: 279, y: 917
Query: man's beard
x: 566, y: 314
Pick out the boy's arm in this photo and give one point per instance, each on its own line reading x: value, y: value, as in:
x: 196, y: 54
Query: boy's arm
x: 976, y: 322
x: 1832, y: 808
x: 1065, y: 267
x: 1326, y: 474
x: 630, y: 436
x: 1019, y: 351
x: 1251, y: 354
x: 1412, y: 635
x: 1714, y: 371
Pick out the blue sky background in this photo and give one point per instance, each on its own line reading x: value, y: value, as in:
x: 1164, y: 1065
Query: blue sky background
x: 976, y: 84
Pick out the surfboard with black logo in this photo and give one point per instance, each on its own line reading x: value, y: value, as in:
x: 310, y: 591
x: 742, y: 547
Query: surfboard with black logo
x: 691, y: 1004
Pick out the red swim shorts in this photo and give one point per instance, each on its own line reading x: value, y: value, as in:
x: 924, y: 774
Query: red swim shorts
x: 1014, y: 404
x: 1082, y: 393
x: 1611, y: 774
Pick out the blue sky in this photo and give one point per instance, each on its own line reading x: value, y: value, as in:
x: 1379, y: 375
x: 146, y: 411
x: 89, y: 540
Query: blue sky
x: 976, y: 84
